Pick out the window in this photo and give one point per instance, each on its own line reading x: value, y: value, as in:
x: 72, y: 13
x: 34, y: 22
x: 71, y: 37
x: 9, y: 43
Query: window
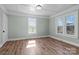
x: 67, y: 24
x: 31, y: 25
x: 60, y: 25
x: 70, y: 25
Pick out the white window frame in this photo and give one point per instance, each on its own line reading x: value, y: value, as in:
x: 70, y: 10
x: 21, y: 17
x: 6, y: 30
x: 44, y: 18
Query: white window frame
x: 57, y: 18
x: 75, y: 13
x: 29, y: 25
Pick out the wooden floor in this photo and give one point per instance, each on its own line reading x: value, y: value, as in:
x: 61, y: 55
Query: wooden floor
x: 40, y: 46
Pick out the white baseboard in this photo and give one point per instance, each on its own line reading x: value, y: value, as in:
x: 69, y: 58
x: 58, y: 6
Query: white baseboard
x: 72, y: 43
x: 12, y: 39
x: 2, y: 44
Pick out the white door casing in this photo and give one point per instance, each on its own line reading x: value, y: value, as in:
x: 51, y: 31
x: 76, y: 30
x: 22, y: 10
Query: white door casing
x: 4, y: 27
x: 0, y: 28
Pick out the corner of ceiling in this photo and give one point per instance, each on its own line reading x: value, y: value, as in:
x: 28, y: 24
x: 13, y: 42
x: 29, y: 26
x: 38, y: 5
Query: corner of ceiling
x: 3, y: 8
x: 75, y: 7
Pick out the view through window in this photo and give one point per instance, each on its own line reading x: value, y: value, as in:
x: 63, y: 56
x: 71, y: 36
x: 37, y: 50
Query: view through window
x: 31, y: 25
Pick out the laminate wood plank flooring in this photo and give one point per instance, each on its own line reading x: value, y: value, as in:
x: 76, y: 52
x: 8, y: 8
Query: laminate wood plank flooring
x: 38, y: 46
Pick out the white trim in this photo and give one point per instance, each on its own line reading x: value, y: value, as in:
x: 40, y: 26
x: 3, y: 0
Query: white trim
x: 2, y: 43
x: 9, y: 12
x: 12, y: 39
x: 3, y: 8
x: 76, y: 7
x: 72, y: 43
x: 74, y: 13
x: 59, y: 39
x: 58, y: 18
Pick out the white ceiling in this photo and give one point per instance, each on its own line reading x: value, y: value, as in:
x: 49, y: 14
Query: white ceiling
x: 47, y: 9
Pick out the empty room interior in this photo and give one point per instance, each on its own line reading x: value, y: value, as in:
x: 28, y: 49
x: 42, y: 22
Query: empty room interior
x: 39, y: 29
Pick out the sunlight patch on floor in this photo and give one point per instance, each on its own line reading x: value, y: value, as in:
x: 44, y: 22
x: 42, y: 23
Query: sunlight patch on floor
x: 31, y: 44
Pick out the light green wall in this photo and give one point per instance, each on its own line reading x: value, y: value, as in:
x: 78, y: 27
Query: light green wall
x: 18, y: 27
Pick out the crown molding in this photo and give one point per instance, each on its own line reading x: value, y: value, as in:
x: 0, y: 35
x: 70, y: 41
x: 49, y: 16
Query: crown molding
x: 76, y: 7
x: 3, y: 8
x: 9, y: 12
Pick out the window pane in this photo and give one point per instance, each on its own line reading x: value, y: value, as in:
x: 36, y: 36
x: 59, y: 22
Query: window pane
x: 31, y: 25
x: 60, y: 29
x: 60, y: 25
x: 70, y: 22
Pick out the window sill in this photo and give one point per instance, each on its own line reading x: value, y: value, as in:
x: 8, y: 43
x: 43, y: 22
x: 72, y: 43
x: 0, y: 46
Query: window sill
x: 32, y: 33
